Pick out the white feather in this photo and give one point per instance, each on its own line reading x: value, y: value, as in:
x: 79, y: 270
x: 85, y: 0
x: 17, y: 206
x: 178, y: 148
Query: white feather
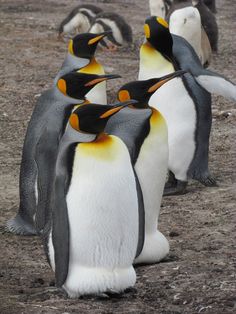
x: 157, y: 8
x: 79, y: 24
x: 151, y: 169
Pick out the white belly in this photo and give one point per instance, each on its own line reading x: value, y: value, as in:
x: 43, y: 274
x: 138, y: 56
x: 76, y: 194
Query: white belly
x: 103, y: 219
x: 151, y: 168
x: 179, y: 111
x: 98, y: 94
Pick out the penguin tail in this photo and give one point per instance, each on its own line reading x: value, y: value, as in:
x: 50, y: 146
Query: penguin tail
x: 18, y: 226
x: 216, y: 84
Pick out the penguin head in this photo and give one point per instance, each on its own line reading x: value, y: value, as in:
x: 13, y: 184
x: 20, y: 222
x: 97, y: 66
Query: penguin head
x: 84, y: 45
x: 77, y: 85
x: 157, y: 34
x: 92, y: 118
x: 143, y: 90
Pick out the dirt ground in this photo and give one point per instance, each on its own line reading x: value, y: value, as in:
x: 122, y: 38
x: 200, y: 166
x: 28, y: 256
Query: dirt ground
x: 199, y: 274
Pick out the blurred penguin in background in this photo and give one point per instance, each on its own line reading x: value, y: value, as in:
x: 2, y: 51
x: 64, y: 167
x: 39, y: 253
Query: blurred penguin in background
x: 186, y: 22
x: 120, y: 31
x: 79, y: 20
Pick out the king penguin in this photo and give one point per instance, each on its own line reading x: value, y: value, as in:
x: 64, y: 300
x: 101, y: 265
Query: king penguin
x: 159, y: 7
x: 79, y: 20
x: 75, y: 85
x: 189, y: 123
x: 93, y: 233
x: 56, y: 97
x: 80, y: 56
x: 151, y: 163
x: 177, y: 101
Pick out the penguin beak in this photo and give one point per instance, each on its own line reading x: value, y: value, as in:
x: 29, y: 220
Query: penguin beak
x: 164, y: 80
x: 102, y: 78
x: 117, y: 107
x: 98, y: 37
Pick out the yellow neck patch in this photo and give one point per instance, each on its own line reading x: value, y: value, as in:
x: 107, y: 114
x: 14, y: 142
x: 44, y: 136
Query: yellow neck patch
x: 103, y: 148
x: 93, y: 68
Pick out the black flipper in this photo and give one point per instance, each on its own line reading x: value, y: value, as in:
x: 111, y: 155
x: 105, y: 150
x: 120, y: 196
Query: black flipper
x: 46, y: 153
x: 141, y: 236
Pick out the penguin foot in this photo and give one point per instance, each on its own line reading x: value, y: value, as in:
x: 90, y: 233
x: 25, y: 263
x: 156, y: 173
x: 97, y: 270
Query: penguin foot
x: 208, y: 181
x: 179, y: 189
x: 18, y: 226
x: 172, y: 182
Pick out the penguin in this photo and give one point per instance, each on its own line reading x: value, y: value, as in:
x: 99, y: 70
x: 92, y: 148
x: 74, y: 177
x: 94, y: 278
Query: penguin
x: 93, y: 233
x: 189, y: 116
x: 120, y: 30
x: 81, y: 50
x: 208, y: 19
x: 211, y: 4
x: 184, y: 105
x: 209, y: 23
x: 151, y: 163
x: 80, y: 54
x: 186, y: 22
x: 75, y: 85
x: 159, y: 7
x: 24, y: 222
x: 78, y: 20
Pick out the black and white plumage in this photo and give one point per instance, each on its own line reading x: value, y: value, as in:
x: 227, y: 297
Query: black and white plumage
x: 79, y: 20
x: 121, y: 32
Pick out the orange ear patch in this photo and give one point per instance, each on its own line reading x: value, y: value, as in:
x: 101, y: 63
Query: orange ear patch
x: 123, y: 95
x: 70, y: 47
x: 61, y: 84
x: 147, y: 30
x: 74, y: 121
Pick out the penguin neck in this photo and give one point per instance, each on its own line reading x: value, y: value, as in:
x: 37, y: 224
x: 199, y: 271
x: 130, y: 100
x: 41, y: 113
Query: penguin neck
x: 58, y: 95
x: 71, y: 63
x: 152, y: 62
x: 93, y: 67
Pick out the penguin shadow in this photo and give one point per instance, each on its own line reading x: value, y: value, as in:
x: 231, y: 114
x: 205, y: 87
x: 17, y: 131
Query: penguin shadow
x: 45, y: 293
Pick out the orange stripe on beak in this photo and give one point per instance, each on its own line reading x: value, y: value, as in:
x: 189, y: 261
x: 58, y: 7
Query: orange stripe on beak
x: 110, y: 112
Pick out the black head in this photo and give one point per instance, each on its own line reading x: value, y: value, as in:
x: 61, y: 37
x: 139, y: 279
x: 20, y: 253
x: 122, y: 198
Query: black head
x: 77, y: 85
x: 84, y: 45
x: 143, y: 90
x: 92, y: 118
x: 157, y: 33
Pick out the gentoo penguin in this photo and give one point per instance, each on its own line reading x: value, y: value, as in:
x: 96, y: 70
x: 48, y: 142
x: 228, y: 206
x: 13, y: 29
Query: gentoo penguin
x: 186, y: 22
x: 120, y: 30
x: 191, y: 92
x: 93, y: 236
x: 78, y: 20
x: 23, y: 223
x: 159, y: 7
x: 185, y: 106
x: 151, y: 163
x: 208, y: 22
x: 81, y: 50
x: 211, y: 4
x: 75, y: 85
